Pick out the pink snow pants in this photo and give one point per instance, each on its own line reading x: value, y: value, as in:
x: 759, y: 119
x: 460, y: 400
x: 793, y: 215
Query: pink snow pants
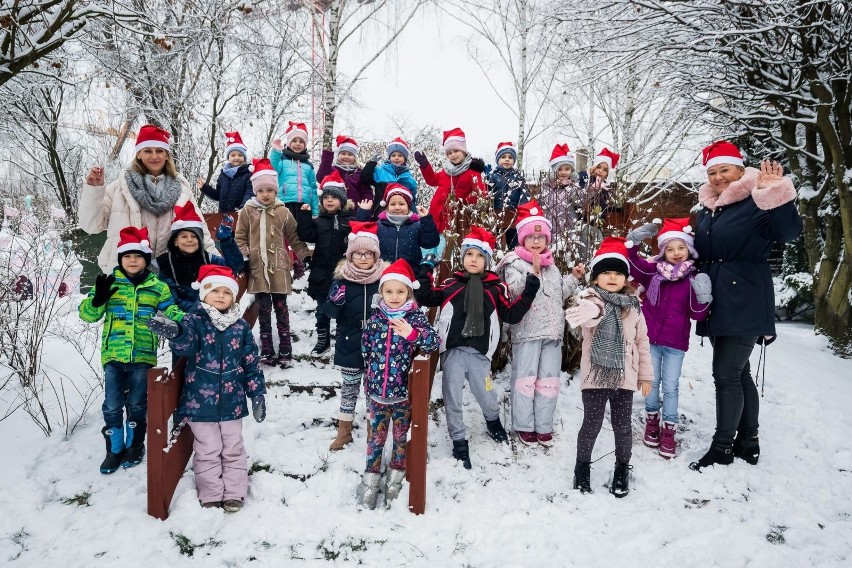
x: 220, y: 462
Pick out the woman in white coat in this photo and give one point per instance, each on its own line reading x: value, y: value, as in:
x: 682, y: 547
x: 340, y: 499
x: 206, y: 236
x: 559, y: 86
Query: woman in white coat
x: 144, y: 195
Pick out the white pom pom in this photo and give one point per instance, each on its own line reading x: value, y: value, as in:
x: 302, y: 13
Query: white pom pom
x: 534, y: 210
x: 383, y: 203
x: 196, y: 285
x: 657, y: 221
x: 687, y: 229
x: 628, y: 244
x: 144, y: 243
x: 319, y: 192
x: 251, y: 168
x: 416, y: 285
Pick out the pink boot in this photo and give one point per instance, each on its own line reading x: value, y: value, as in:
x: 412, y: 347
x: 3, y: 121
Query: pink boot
x: 652, y: 430
x: 668, y: 445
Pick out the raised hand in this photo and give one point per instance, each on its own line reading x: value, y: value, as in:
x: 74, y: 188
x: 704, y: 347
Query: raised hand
x: 646, y: 231
x: 277, y: 145
x: 422, y: 211
x: 770, y: 172
x: 365, y: 204
x: 104, y: 289
x: 401, y: 327
x: 582, y: 312
x: 579, y: 271
x: 421, y: 159
x: 199, y: 183
x: 162, y: 326
x: 224, y: 232
x: 95, y: 177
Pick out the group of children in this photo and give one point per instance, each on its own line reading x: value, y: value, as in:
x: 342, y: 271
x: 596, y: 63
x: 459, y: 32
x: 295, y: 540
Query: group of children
x: 368, y: 271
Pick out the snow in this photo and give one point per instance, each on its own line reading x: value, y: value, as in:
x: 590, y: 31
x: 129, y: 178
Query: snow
x: 510, y: 510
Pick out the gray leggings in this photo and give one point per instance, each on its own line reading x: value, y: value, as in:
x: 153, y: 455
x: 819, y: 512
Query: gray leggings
x: 351, y: 379
x: 594, y: 408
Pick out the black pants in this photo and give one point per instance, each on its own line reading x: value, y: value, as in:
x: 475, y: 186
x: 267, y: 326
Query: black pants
x: 323, y: 321
x: 594, y: 408
x: 737, y: 402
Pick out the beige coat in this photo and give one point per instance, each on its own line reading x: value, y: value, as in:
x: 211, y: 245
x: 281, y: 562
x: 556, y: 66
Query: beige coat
x: 637, y: 349
x: 113, y: 208
x: 280, y: 231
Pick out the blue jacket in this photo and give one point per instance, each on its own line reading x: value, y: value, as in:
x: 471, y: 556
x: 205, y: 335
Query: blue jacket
x: 385, y: 174
x: 231, y: 193
x: 406, y: 240
x: 507, y: 187
x: 297, y: 181
x: 350, y: 304
x: 221, y: 368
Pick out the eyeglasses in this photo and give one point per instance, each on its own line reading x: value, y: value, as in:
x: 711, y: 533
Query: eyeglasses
x: 365, y: 255
x: 536, y: 238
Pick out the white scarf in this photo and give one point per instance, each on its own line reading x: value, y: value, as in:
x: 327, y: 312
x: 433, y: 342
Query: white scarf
x: 222, y: 320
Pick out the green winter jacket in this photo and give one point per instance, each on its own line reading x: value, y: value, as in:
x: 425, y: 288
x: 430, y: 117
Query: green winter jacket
x: 126, y: 338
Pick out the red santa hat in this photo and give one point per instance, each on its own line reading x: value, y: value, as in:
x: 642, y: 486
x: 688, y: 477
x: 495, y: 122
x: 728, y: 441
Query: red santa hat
x: 530, y: 221
x: 676, y: 229
x: 562, y: 155
x: 333, y: 185
x: 455, y: 140
x: 134, y: 239
x: 721, y: 152
x: 347, y: 144
x: 611, y: 255
x: 296, y: 130
x: 235, y: 144
x: 398, y: 145
x: 187, y: 219
x: 263, y: 174
x: 364, y: 236
x: 396, y: 189
x: 212, y: 276
x: 608, y: 157
x: 480, y: 239
x: 400, y: 271
x: 506, y: 148
x: 151, y: 136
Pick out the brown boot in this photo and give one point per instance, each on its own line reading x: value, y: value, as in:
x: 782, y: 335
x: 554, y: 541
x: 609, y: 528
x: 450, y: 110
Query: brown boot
x: 344, y: 435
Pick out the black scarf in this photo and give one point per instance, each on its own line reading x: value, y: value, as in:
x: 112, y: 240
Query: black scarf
x: 136, y: 279
x: 181, y: 267
x: 474, y: 300
x: 300, y: 157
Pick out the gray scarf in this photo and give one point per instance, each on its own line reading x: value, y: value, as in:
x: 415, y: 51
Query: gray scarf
x: 474, y: 309
x: 344, y: 167
x: 399, y: 220
x: 222, y: 320
x: 158, y: 196
x: 607, y: 354
x: 453, y: 170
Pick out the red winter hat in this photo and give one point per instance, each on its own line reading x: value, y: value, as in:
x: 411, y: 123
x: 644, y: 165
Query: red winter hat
x: 455, y: 140
x: 333, y: 184
x: 562, y: 155
x: 506, y: 148
x: 296, y: 130
x: 186, y: 217
x: 235, y: 144
x: 398, y: 145
x: 608, y: 157
x: 211, y: 276
x: 134, y: 239
x: 676, y: 229
x: 721, y: 152
x: 481, y: 239
x: 530, y: 221
x: 364, y: 236
x: 611, y: 255
x: 263, y: 174
x: 151, y: 136
x: 396, y: 189
x: 400, y: 271
x: 347, y: 144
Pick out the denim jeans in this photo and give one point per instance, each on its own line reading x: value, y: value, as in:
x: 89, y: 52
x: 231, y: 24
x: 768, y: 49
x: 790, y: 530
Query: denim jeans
x: 125, y: 384
x: 667, y: 363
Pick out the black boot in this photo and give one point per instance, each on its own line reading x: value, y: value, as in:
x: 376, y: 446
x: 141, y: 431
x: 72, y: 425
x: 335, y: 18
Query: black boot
x: 462, y: 453
x: 712, y: 457
x: 747, y: 448
x: 583, y: 477
x: 135, y: 444
x: 620, y: 485
x: 496, y: 430
x: 114, y: 449
x: 323, y: 343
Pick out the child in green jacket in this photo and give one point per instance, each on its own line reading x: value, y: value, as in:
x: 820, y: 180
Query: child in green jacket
x: 127, y: 299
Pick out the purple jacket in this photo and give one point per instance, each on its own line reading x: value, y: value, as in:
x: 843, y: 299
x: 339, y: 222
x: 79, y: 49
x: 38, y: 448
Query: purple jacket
x: 355, y: 190
x: 668, y: 320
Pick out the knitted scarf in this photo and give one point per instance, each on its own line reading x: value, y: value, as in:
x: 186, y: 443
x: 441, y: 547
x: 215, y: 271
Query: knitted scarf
x: 344, y: 167
x: 454, y: 170
x: 607, y: 353
x: 398, y: 169
x: 546, y: 257
x: 230, y: 170
x: 474, y: 300
x: 667, y: 271
x: 396, y: 313
x: 222, y: 320
x: 158, y: 196
x: 182, y: 267
x: 399, y: 220
x: 299, y: 157
x: 363, y: 275
x: 264, y: 250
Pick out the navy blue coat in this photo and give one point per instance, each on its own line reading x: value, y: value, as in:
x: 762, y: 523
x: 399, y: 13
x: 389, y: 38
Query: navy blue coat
x: 350, y: 304
x: 507, y: 187
x: 733, y: 245
x: 328, y: 232
x: 406, y: 240
x: 231, y: 193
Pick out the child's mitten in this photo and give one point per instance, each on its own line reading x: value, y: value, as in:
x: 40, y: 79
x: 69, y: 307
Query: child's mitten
x: 162, y: 326
x: 703, y: 288
x: 258, y: 407
x: 104, y: 289
x: 639, y: 234
x: 421, y: 159
x: 582, y: 312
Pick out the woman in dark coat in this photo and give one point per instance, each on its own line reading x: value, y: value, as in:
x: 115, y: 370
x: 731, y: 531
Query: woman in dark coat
x: 745, y: 211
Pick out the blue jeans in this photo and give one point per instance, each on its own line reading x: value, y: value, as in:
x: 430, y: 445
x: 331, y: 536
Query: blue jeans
x: 125, y: 384
x: 667, y: 363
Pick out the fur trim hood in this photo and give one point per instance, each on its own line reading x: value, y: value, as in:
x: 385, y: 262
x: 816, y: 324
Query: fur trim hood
x: 765, y: 198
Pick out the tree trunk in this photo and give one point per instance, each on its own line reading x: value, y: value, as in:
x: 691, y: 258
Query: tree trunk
x: 330, y: 79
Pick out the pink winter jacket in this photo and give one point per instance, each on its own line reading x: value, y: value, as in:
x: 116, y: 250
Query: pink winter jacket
x: 637, y: 354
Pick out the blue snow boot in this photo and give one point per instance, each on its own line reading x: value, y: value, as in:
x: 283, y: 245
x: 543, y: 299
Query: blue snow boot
x: 135, y: 444
x: 114, y: 447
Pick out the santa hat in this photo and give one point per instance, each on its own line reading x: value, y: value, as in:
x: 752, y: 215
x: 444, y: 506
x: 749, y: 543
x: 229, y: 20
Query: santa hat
x: 134, y: 239
x: 606, y: 156
x: 398, y: 145
x: 187, y: 219
x: 530, y: 221
x: 455, y: 140
x: 333, y: 185
x: 364, y: 236
x: 211, y: 276
x: 506, y: 148
x: 400, y: 271
x: 151, y: 136
x: 263, y: 174
x: 235, y: 144
x: 296, y: 130
x: 562, y: 155
x: 611, y: 255
x: 481, y: 239
x: 347, y: 144
x: 721, y: 152
x: 396, y: 189
x: 676, y: 229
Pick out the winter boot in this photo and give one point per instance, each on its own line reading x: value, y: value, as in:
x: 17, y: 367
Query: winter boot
x: 135, y: 444
x: 620, y: 485
x: 583, y: 477
x: 323, y: 343
x: 496, y: 430
x: 712, y: 457
x: 461, y: 452
x: 285, y: 355
x: 545, y: 439
x: 527, y: 438
x: 395, y: 478
x: 114, y: 438
x: 344, y: 435
x: 747, y: 448
x: 267, y: 351
x: 232, y: 505
x: 652, y: 430
x: 370, y: 485
x: 668, y: 444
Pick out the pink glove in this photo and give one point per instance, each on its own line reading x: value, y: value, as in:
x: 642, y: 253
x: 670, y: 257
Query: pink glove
x: 582, y: 312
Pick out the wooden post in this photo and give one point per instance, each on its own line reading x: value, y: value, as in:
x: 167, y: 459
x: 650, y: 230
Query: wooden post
x: 419, y: 385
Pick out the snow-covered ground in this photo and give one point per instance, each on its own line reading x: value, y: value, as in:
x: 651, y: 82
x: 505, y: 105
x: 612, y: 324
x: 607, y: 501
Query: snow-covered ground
x: 512, y: 509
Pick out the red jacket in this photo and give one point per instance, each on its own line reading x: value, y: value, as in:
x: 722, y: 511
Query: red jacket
x: 468, y: 187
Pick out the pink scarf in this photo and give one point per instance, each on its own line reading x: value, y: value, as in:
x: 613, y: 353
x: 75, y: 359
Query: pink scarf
x: 546, y: 256
x: 667, y: 271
